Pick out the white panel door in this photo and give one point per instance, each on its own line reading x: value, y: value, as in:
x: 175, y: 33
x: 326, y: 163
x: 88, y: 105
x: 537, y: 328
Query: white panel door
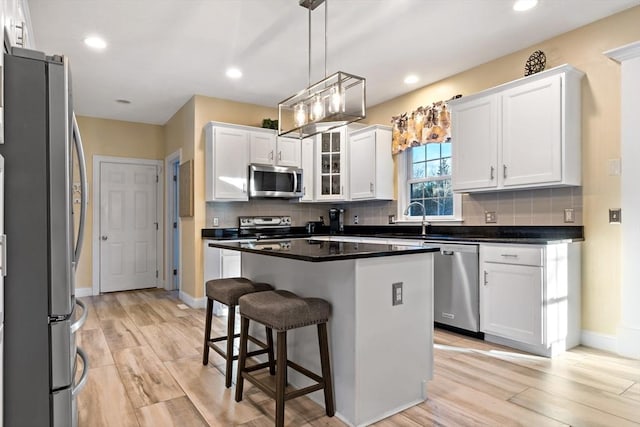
x: 128, y: 226
x: 288, y: 152
x: 262, y: 147
x: 362, y: 158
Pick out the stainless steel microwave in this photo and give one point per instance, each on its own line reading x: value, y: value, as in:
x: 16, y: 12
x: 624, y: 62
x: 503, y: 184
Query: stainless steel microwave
x: 275, y: 181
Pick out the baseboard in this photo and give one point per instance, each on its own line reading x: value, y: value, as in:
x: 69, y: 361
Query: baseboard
x: 599, y: 341
x: 84, y: 292
x: 191, y: 301
x: 629, y: 341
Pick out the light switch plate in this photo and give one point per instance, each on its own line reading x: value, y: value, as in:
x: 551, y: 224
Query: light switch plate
x: 396, y: 293
x: 615, y: 216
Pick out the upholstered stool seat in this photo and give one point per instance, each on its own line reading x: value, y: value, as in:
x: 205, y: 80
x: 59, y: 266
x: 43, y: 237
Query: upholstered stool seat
x: 282, y: 311
x: 227, y: 291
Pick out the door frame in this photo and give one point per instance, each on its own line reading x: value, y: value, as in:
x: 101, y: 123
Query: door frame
x: 169, y: 246
x: 95, y: 235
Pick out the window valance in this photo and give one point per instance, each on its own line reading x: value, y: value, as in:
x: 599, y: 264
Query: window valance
x: 431, y: 124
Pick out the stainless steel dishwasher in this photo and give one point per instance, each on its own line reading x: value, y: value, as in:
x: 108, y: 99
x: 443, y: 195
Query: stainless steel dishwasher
x: 456, y: 286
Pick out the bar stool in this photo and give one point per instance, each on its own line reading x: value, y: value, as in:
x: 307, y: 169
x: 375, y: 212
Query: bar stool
x: 227, y: 291
x: 282, y: 310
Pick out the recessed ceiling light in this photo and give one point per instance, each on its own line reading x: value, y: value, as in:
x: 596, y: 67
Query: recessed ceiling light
x: 522, y: 5
x: 234, y: 73
x: 95, y: 42
x: 123, y: 101
x: 411, y: 79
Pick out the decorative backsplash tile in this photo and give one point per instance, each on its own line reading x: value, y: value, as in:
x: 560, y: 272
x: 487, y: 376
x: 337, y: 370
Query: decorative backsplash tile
x: 525, y: 207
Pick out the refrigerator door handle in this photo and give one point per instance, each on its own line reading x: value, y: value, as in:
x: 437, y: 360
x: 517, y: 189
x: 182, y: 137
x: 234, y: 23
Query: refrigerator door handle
x: 83, y: 194
x: 83, y: 318
x: 3, y: 260
x: 85, y: 371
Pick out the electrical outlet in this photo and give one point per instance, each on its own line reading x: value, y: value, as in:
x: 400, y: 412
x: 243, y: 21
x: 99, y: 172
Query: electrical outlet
x: 615, y: 216
x: 355, y: 219
x: 490, y: 217
x: 216, y: 221
x: 396, y: 293
x: 568, y: 215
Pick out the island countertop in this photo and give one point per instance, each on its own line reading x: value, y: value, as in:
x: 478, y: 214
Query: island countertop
x: 319, y: 250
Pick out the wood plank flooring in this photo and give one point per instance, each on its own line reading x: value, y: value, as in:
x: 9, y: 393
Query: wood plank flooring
x: 146, y: 369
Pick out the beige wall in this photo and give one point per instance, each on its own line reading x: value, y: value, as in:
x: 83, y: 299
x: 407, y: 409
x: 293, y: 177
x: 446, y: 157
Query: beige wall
x: 583, y: 49
x: 186, y: 130
x: 118, y: 139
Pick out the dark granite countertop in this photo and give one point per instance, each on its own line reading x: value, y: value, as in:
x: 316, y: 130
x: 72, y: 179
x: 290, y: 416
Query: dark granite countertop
x: 319, y: 251
x: 536, y: 235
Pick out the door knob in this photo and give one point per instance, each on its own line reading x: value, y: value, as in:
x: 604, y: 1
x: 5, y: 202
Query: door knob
x: 104, y: 237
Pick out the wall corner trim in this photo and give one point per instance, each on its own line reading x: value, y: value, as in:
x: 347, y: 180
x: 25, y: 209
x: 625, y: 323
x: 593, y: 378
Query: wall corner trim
x: 191, y: 301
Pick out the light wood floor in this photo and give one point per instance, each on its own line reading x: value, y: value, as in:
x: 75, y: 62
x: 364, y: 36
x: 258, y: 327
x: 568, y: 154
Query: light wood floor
x: 145, y: 351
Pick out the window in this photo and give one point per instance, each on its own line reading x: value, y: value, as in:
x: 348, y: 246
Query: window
x: 427, y: 178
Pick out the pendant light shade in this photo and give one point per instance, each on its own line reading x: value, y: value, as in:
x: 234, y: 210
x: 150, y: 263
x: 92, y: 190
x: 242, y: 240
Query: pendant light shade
x: 337, y: 100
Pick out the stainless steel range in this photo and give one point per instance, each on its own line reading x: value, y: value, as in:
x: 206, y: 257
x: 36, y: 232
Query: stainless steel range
x: 265, y: 227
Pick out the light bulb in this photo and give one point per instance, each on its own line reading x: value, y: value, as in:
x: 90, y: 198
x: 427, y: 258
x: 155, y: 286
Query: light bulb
x: 300, y: 114
x: 317, y: 109
x: 336, y: 100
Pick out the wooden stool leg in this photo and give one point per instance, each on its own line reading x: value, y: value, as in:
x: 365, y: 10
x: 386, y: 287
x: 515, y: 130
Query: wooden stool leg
x: 242, y: 357
x: 231, y: 325
x: 323, y: 342
x: 272, y: 363
x: 207, y: 331
x: 281, y: 373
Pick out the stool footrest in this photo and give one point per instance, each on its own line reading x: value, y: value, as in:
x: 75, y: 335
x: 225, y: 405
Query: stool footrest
x: 270, y: 391
x: 264, y: 347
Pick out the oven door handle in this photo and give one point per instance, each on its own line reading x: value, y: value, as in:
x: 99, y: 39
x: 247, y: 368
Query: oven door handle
x: 83, y: 318
x: 85, y: 372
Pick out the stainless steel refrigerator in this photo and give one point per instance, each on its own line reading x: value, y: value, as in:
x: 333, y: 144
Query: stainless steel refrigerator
x: 41, y: 319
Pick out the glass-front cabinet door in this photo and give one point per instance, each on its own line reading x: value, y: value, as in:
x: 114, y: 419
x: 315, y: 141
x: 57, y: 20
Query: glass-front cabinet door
x: 331, y: 173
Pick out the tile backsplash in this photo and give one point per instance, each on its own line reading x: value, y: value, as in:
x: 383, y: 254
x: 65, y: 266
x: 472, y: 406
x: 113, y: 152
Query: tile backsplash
x: 525, y: 207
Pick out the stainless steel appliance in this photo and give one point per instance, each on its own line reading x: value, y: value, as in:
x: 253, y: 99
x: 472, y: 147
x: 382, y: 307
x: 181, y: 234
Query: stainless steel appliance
x: 336, y: 220
x: 275, y: 181
x: 455, y: 291
x: 3, y: 270
x: 40, y: 387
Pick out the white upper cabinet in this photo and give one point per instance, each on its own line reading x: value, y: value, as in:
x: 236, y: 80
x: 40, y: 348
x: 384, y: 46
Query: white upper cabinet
x: 308, y: 161
x: 523, y: 134
x: 267, y: 149
x: 371, y: 164
x: 263, y: 147
x: 288, y: 152
x: 331, y: 161
x: 227, y: 159
x: 17, y: 23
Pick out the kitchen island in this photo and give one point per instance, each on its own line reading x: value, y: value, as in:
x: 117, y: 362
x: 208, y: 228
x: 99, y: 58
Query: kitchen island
x: 381, y: 353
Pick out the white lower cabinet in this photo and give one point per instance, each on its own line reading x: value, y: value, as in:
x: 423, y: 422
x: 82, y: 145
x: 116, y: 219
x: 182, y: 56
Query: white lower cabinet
x: 530, y: 296
x: 219, y: 263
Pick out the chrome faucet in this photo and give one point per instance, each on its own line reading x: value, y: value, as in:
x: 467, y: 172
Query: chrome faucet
x: 424, y: 214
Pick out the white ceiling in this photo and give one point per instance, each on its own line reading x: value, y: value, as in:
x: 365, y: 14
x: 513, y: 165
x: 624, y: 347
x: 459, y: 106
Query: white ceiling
x: 161, y: 52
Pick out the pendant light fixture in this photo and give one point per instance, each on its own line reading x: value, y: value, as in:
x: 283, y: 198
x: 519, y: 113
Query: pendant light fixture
x: 334, y: 101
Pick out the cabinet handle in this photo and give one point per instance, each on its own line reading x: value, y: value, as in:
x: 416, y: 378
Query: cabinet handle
x: 279, y: 155
x: 371, y: 187
x: 504, y: 171
x: 492, y: 171
x: 304, y: 191
x: 342, y: 190
x: 244, y: 187
x: 509, y: 255
x: 271, y: 155
x: 485, y: 277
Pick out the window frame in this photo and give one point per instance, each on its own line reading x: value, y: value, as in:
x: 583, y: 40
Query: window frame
x: 404, y: 180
